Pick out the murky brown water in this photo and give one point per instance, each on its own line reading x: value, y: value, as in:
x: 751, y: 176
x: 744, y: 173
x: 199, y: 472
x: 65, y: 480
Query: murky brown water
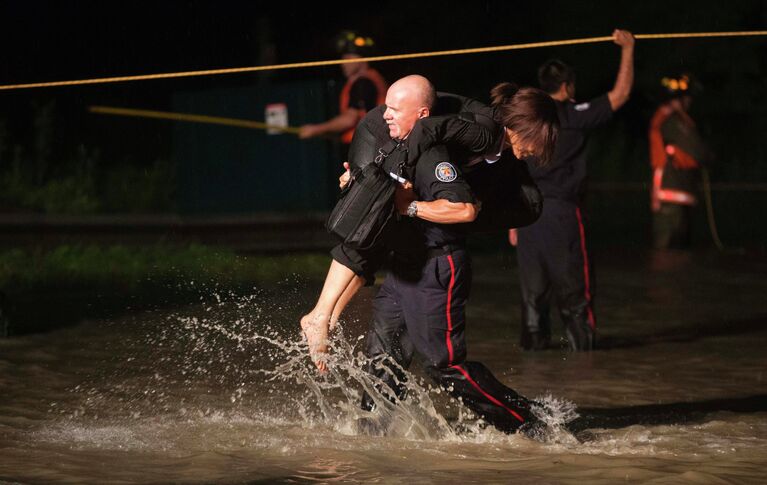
x: 219, y: 393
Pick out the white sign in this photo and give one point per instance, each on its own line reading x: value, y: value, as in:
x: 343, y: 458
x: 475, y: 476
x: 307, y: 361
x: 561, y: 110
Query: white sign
x: 276, y: 115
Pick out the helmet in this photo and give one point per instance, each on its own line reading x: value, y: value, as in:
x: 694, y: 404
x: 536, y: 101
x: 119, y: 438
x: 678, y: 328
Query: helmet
x: 349, y: 42
x: 679, y: 85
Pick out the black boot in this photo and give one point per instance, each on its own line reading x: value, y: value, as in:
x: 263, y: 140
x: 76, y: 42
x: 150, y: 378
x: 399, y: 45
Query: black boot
x: 534, y: 340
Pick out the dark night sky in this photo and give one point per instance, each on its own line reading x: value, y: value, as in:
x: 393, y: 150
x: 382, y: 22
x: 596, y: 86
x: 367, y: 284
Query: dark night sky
x: 73, y: 39
x: 69, y: 39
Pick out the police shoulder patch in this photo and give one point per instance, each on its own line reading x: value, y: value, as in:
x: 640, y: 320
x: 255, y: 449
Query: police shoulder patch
x: 445, y: 172
x: 582, y: 106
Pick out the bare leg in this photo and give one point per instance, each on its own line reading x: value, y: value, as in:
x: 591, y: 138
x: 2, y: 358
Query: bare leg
x: 354, y: 285
x: 315, y: 325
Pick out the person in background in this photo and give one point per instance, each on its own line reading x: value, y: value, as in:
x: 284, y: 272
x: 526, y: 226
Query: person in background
x: 677, y: 152
x: 552, y: 254
x: 365, y: 89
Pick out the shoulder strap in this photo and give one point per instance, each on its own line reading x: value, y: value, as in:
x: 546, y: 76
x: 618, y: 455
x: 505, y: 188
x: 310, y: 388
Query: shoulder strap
x: 386, y: 150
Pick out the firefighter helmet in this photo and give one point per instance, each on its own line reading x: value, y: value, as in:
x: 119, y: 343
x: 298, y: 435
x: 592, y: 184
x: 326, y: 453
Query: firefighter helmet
x: 349, y: 42
x: 679, y: 85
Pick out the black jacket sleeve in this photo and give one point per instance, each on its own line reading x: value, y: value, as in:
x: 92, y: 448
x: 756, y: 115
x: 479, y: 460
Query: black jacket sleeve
x: 459, y: 122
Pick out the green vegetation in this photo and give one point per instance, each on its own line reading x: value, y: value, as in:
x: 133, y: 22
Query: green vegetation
x: 70, y: 194
x: 137, y: 268
x: 46, y: 289
x: 83, y: 188
x: 42, y: 175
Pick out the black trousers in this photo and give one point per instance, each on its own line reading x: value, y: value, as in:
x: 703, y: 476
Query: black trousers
x: 425, y: 313
x: 554, y: 266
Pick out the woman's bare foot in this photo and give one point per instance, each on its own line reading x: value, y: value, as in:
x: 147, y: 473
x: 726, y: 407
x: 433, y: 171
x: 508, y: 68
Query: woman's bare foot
x: 315, y: 328
x: 340, y: 285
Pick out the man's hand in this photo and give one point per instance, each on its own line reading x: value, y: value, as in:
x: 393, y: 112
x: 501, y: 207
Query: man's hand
x: 513, y: 237
x: 308, y: 131
x: 343, y: 180
x: 403, y: 196
x: 623, y: 38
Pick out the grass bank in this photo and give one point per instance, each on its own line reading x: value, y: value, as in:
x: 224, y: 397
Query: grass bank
x: 47, y: 288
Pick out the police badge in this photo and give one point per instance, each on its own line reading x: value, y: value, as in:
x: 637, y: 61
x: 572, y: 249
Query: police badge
x: 445, y: 172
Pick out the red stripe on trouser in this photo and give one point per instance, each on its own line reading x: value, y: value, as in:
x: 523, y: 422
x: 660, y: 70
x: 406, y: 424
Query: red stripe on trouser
x: 449, y: 317
x: 488, y: 396
x: 592, y: 320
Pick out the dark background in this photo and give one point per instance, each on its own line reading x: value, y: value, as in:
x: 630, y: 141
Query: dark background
x: 49, y: 133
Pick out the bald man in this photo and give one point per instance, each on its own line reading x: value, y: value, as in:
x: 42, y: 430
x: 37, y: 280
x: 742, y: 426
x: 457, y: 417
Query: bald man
x: 421, y: 305
x: 407, y: 100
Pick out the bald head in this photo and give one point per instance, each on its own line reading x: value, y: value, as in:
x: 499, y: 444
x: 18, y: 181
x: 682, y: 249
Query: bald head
x: 408, y: 100
x: 417, y: 87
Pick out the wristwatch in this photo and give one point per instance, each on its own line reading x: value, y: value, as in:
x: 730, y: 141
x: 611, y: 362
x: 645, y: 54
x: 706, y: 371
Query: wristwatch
x: 412, y: 209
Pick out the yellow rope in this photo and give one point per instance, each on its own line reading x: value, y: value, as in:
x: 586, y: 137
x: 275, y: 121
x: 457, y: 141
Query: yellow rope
x: 142, y: 113
x: 478, y: 50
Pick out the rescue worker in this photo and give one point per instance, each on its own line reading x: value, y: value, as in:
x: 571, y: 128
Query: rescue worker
x: 421, y: 304
x: 676, y: 155
x: 472, y: 128
x: 365, y: 89
x: 552, y: 255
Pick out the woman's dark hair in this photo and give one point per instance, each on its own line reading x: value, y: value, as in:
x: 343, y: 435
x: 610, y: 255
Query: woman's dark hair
x: 530, y: 113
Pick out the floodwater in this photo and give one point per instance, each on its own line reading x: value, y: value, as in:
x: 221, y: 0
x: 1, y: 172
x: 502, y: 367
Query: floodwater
x: 221, y: 392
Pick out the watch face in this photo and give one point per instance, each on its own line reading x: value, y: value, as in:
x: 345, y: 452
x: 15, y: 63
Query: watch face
x: 412, y: 209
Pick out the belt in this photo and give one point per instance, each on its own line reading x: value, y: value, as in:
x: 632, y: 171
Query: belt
x: 442, y: 250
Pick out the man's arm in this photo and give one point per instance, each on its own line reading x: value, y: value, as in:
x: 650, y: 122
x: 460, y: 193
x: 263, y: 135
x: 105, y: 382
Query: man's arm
x: 474, y: 132
x: 625, y: 79
x: 362, y: 98
x: 449, y: 199
x: 339, y: 124
x: 441, y: 211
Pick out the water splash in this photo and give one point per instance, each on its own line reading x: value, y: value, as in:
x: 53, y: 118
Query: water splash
x: 243, y: 356
x: 338, y: 393
x: 554, y: 414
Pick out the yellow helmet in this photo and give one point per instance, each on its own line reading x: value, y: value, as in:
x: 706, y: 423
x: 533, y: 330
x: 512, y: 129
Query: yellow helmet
x: 349, y: 42
x: 679, y: 85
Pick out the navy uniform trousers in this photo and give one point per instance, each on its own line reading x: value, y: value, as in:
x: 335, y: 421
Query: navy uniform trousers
x: 425, y: 312
x: 554, y: 263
